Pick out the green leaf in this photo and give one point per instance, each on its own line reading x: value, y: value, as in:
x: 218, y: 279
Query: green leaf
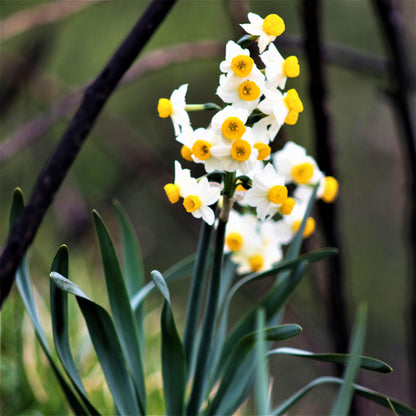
x: 240, y: 367
x: 120, y: 308
x: 272, y: 302
x: 178, y: 271
x: 262, y: 374
x: 25, y: 291
x: 200, y: 381
x: 161, y: 284
x: 343, y: 403
x: 59, y: 314
x: 283, y: 265
x: 196, y: 291
x: 173, y: 355
x: 366, y: 363
x: 133, y: 264
x: 372, y: 395
x: 107, y: 346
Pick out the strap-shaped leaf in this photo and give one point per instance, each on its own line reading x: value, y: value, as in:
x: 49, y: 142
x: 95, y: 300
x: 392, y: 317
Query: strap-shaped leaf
x: 379, y: 398
x: 173, y: 355
x: 272, y: 302
x: 343, y: 402
x: 59, y: 314
x: 178, y: 271
x: 240, y: 367
x: 262, y: 373
x: 366, y: 363
x: 200, y: 381
x: 196, y: 291
x: 133, y: 264
x: 120, y: 308
x: 25, y: 291
x: 107, y: 346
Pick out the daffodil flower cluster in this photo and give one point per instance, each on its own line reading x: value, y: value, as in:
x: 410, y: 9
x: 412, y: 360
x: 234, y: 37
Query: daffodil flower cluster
x: 236, y: 145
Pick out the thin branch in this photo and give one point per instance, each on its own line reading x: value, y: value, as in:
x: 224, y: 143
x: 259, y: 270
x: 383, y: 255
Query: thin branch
x: 41, y: 14
x: 336, y: 307
x: 150, y: 62
x: 392, y: 26
x: 50, y: 179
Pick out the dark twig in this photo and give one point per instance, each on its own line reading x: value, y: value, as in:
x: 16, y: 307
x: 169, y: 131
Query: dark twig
x: 392, y: 26
x: 95, y: 97
x: 336, y: 308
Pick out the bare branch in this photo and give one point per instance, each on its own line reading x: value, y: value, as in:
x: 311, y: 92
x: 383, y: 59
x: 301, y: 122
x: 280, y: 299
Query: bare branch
x: 40, y: 15
x: 95, y: 97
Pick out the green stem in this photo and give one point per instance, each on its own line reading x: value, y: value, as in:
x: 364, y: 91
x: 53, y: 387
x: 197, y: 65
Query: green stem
x: 200, y: 379
x: 201, y: 107
x: 197, y: 287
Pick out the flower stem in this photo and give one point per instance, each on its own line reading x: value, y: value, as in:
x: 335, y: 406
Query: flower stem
x: 200, y: 378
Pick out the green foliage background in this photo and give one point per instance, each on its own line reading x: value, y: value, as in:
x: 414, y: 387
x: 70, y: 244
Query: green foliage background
x: 130, y: 154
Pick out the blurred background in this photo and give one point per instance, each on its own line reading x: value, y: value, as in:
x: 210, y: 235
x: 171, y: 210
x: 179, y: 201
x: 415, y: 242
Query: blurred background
x: 50, y: 50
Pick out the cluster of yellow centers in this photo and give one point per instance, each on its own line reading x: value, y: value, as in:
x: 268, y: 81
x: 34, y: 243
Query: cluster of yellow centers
x: 233, y: 128
x: 164, y: 108
x: 249, y: 91
x: 273, y: 25
x: 309, y: 227
x: 294, y: 105
x: 302, y: 173
x: 242, y: 65
x: 234, y: 241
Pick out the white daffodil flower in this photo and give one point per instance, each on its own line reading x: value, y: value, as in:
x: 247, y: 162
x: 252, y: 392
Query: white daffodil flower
x: 268, y: 193
x: 241, y: 228
x: 199, y: 143
x: 199, y: 197
x: 238, y: 63
x: 266, y: 29
x: 258, y: 254
x: 174, y: 107
x: 183, y: 182
x: 327, y: 190
x: 242, y: 93
x: 230, y: 123
x: 296, y: 166
x: 277, y: 68
x: 239, y: 154
x: 289, y: 225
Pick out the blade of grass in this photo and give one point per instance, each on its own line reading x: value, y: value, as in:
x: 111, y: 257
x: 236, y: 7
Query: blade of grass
x: 178, y: 271
x: 59, y: 314
x: 120, y: 308
x: 107, y: 346
x: 200, y: 377
x: 379, y: 398
x: 25, y: 291
x: 240, y: 367
x: 343, y: 402
x: 366, y: 363
x: 173, y: 354
x: 262, y: 374
x: 133, y: 265
x: 272, y: 302
x: 196, y: 291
